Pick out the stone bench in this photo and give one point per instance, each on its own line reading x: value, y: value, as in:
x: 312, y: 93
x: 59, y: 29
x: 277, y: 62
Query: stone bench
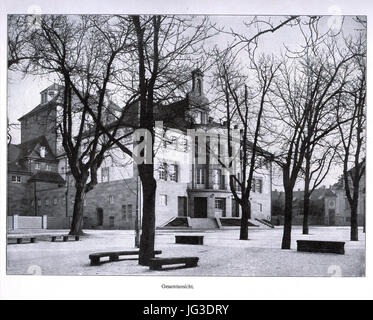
x: 113, y: 255
x: 20, y: 239
x: 64, y: 237
x: 321, y: 246
x: 189, y: 239
x: 186, y: 262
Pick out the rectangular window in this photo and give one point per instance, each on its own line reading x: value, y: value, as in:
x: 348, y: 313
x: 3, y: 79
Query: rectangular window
x: 39, y: 203
x: 37, y: 166
x: 111, y: 199
x: 111, y: 222
x: 55, y: 200
x: 220, y: 203
x: 163, y: 200
x: 185, y: 145
x: 259, y: 185
x: 253, y: 185
x: 105, y: 174
x: 173, y: 172
x: 162, y: 171
x: 124, y: 212
x: 201, y: 176
x: 217, y: 176
x: 48, y: 167
x: 129, y: 210
x: 47, y: 202
x: 260, y: 207
x: 16, y: 179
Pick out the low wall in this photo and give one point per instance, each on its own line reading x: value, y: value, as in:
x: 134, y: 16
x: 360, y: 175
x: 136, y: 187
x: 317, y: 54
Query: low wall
x: 9, y: 222
x: 58, y: 222
x: 28, y: 222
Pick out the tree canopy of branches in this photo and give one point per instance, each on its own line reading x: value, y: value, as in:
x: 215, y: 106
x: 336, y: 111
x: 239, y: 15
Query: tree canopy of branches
x: 309, y: 82
x: 351, y: 106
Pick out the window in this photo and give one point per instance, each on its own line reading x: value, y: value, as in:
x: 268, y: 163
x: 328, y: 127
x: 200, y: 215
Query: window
x: 201, y: 176
x: 47, y: 202
x: 162, y: 171
x: 217, y: 177
x: 220, y: 203
x: 32, y: 203
x: 253, y: 184
x: 105, y: 174
x: 129, y: 211
x: 260, y: 207
x: 185, y: 145
x: 55, y: 201
x: 124, y: 212
x: 111, y: 222
x: 111, y: 199
x: 173, y: 172
x: 16, y: 179
x: 259, y: 185
x: 48, y: 167
x: 39, y: 203
x: 163, y: 200
x: 37, y: 166
x: 42, y: 152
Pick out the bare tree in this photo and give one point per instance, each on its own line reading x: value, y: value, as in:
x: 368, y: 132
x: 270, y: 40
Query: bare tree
x: 240, y: 103
x: 309, y: 82
x: 318, y: 159
x: 82, y: 57
x: 352, y: 105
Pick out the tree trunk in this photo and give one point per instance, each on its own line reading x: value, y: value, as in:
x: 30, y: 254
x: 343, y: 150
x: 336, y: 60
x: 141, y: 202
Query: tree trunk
x: 244, y: 232
x: 306, y: 208
x: 286, y: 238
x: 77, y: 223
x: 354, y: 236
x: 148, y: 219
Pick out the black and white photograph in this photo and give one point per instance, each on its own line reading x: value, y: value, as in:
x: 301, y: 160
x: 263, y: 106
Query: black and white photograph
x: 186, y: 144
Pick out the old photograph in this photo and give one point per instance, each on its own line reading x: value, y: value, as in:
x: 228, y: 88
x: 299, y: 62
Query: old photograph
x: 186, y: 145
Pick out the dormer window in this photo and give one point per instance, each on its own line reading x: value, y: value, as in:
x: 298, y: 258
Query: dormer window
x: 42, y: 152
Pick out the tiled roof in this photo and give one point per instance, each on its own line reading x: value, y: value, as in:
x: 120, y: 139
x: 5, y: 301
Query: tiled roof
x: 47, y: 176
x: 27, y: 147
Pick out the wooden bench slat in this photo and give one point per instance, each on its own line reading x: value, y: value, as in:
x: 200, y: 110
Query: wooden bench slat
x: 114, y: 255
x: 189, y: 239
x: 319, y: 246
x: 158, y: 263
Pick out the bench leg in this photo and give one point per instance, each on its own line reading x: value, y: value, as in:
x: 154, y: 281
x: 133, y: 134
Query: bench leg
x: 114, y: 257
x: 32, y: 240
x: 19, y: 240
x: 53, y: 239
x: 191, y: 264
x: 65, y: 238
x: 76, y: 238
x: 95, y: 261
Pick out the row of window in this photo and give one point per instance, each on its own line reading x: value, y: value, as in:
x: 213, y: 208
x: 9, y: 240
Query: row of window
x: 168, y: 172
x: 40, y: 166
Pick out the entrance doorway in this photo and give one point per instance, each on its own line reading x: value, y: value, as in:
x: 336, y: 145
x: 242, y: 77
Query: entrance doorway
x: 100, y: 216
x: 200, y: 207
x: 182, y: 206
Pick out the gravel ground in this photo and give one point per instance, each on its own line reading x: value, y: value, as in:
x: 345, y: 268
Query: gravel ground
x: 221, y: 255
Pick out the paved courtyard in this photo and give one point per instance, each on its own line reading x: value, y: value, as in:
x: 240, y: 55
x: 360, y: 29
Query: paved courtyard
x: 221, y: 255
